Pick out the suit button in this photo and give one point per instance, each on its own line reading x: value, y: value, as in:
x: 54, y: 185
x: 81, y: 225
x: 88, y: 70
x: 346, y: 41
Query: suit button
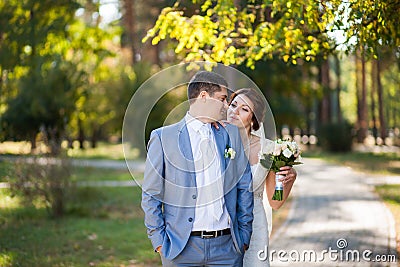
x: 194, y: 196
x: 190, y: 219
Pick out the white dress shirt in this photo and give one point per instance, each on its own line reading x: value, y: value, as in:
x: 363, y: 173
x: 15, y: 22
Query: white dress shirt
x: 206, y: 179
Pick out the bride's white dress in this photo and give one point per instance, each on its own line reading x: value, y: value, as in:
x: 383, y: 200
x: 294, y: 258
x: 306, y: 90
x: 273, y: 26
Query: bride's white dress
x: 262, y: 223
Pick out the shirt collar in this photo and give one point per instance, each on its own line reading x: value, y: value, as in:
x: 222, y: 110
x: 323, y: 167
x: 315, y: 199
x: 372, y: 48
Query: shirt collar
x: 194, y: 123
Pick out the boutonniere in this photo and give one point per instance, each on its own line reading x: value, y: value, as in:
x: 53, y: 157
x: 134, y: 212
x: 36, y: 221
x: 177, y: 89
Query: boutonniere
x: 229, y: 152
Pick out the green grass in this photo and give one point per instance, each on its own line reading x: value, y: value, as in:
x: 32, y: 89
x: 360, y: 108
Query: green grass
x: 92, y: 174
x: 382, y: 163
x: 103, y: 151
x: 4, y: 169
x: 102, y: 227
x: 391, y: 196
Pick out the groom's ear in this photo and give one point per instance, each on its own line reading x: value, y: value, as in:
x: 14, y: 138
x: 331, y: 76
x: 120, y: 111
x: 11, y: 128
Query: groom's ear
x: 203, y: 95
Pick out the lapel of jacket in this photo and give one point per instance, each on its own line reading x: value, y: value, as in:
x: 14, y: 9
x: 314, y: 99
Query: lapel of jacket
x: 186, y: 149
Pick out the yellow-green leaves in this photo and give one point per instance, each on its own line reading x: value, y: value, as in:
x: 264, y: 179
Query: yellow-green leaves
x: 222, y: 31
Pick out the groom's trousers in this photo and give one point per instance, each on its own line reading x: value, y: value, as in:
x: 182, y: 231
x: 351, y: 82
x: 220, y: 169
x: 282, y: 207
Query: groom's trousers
x: 218, y: 251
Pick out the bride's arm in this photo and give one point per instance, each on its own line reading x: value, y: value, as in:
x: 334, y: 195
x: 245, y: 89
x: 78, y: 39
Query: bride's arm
x: 290, y: 176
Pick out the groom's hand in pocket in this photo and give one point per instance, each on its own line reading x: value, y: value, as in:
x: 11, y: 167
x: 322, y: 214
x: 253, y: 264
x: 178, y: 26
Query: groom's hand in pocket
x: 245, y: 247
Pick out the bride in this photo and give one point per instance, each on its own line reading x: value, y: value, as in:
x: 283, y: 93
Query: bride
x: 246, y: 110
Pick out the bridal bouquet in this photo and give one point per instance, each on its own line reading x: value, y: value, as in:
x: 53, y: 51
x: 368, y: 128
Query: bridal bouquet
x: 276, y: 155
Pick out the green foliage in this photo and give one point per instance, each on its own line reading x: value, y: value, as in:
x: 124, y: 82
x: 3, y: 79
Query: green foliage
x: 336, y: 137
x: 373, y: 23
x: 44, y: 100
x: 231, y: 33
x: 26, y: 24
x: 52, y: 65
x: 223, y: 32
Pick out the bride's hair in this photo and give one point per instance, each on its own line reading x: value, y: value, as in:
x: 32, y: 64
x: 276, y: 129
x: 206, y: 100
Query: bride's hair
x: 259, y: 105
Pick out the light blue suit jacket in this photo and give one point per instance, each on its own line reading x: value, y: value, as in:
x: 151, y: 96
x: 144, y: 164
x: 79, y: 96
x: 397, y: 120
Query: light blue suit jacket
x: 169, y: 188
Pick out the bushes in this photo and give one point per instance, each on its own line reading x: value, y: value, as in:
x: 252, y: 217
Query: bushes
x: 336, y: 137
x: 44, y: 181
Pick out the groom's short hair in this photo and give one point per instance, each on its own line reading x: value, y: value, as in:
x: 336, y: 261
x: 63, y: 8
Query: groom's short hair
x: 208, y: 81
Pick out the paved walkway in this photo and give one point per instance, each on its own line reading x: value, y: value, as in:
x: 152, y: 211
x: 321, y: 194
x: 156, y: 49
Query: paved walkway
x: 97, y: 163
x: 333, y: 210
x: 135, y: 165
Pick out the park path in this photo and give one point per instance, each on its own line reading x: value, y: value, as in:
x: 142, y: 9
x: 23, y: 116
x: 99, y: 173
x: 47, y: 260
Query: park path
x: 333, y: 209
x: 135, y: 166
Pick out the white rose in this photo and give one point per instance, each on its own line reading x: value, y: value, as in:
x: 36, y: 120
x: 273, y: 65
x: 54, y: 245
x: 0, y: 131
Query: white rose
x: 284, y: 145
x: 287, y: 153
x: 277, y: 150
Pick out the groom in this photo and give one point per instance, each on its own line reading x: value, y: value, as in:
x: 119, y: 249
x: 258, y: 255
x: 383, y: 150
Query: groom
x: 197, y: 195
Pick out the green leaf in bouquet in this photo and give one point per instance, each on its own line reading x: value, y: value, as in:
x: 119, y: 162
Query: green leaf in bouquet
x: 280, y: 163
x: 266, y: 162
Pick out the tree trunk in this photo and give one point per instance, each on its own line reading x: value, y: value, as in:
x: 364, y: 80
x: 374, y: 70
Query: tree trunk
x: 325, y: 114
x: 95, y: 136
x: 54, y: 136
x: 382, y: 122
x: 129, y: 25
x: 361, y: 98
x: 70, y: 142
x: 57, y: 203
x: 358, y: 85
x: 372, y: 96
x: 338, y: 89
x: 81, y: 135
x: 33, y: 142
x: 157, y: 54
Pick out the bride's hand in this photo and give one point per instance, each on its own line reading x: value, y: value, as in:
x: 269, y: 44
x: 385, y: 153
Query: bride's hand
x: 289, y: 174
x: 223, y: 123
